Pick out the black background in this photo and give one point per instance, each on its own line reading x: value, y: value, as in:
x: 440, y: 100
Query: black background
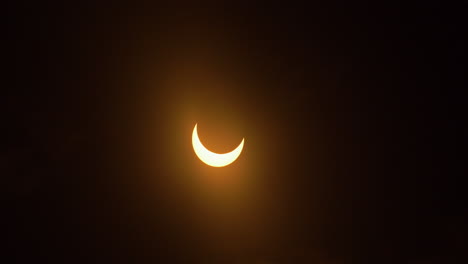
x: 358, y: 106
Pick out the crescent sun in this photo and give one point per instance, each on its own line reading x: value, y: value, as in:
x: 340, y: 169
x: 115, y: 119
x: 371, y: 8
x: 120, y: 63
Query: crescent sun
x: 211, y: 158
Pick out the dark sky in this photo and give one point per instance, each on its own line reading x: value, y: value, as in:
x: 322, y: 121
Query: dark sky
x: 352, y: 116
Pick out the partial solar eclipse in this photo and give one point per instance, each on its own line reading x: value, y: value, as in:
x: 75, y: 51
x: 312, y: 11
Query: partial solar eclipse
x: 211, y: 158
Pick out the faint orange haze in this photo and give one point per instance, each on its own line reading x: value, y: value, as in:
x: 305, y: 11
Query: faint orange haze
x: 228, y: 208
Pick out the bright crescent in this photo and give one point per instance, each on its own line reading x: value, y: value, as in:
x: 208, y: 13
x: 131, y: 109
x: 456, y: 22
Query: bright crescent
x: 211, y: 158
